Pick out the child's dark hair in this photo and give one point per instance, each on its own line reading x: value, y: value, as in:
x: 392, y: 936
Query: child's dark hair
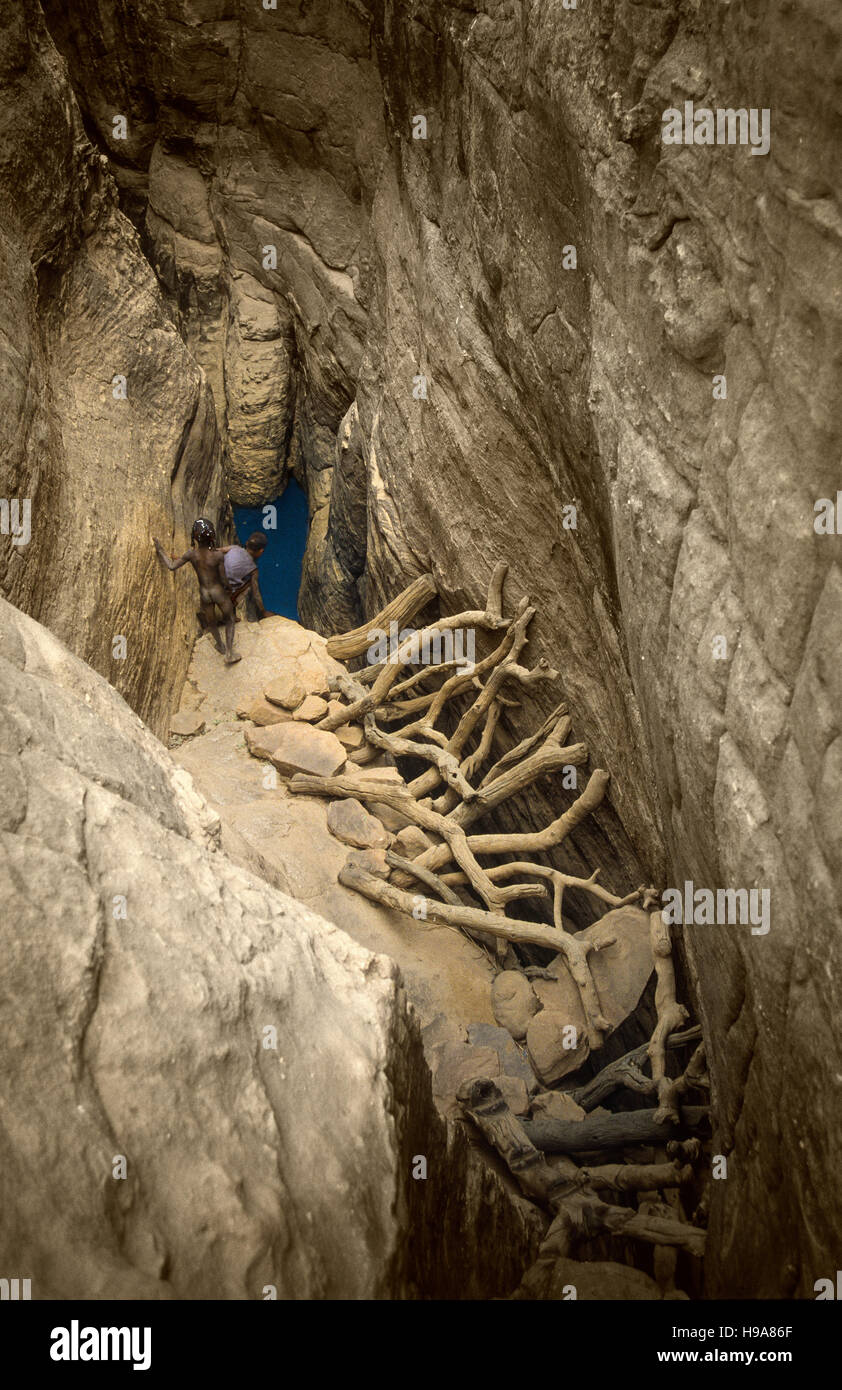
x: 203, y: 533
x: 256, y: 541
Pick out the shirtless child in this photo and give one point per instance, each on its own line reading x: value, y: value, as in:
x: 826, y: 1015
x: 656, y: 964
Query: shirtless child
x: 208, y: 562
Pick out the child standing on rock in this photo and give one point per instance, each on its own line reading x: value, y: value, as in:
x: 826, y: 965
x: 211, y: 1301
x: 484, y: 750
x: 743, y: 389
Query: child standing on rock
x: 208, y: 562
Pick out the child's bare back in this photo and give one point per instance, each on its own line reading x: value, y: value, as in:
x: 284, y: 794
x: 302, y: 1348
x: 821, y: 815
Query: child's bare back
x: 210, y: 573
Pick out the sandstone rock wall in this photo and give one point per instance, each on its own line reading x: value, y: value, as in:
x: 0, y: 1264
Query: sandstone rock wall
x: 253, y: 142
x: 549, y: 386
x: 141, y: 969
x: 79, y: 307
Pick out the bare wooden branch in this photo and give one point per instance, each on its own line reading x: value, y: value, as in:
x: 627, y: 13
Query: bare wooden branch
x: 404, y: 656
x: 446, y: 764
x: 637, y: 1177
x: 670, y: 1013
x: 407, y: 603
x: 447, y: 800
x: 530, y: 841
x: 609, y: 1131
x: 625, y: 1071
x: 397, y: 861
x: 473, y: 919
x: 694, y: 1077
x: 575, y: 951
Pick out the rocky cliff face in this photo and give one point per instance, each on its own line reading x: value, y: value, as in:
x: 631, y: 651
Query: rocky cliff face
x: 693, y: 611
x: 181, y: 1038
x: 570, y: 290
x: 108, y: 424
x: 253, y: 139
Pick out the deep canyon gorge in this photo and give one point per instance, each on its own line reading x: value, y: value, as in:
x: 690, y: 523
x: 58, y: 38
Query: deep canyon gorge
x: 431, y: 259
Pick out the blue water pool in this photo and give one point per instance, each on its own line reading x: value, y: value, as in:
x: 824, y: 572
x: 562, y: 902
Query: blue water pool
x: 279, y: 569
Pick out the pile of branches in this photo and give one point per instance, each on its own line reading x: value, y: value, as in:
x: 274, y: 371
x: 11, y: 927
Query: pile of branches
x: 446, y: 716
x: 455, y: 792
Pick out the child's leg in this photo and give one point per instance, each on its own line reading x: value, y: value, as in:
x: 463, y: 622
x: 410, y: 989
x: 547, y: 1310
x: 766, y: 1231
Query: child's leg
x: 208, y: 611
x: 228, y: 614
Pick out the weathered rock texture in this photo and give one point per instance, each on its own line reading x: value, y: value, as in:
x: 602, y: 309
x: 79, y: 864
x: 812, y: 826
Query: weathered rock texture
x: 141, y: 975
x: 550, y: 386
x: 287, y: 839
x: 79, y: 307
x: 253, y: 138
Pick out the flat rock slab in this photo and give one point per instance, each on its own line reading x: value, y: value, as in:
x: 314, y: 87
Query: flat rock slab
x: 555, y: 1050
x: 513, y: 1061
x: 393, y: 820
x: 260, y: 712
x: 301, y: 748
x: 351, y: 823
x: 351, y: 735
x: 186, y: 723
x: 514, y: 1093
x: 312, y: 707
x: 442, y: 1030
x: 389, y: 775
x: 262, y: 740
x: 369, y: 861
x: 455, y: 1063
x: 311, y: 668
x: 295, y: 681
x: 286, y: 691
x: 555, y: 1105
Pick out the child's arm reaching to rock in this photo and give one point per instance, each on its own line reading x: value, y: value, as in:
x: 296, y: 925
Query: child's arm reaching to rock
x: 165, y: 559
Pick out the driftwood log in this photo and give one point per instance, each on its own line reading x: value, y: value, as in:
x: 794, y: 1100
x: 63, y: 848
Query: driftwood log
x: 610, y: 1131
x: 409, y: 602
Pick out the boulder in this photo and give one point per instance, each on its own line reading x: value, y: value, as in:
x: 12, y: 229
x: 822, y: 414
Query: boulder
x: 301, y: 748
x: 546, y: 1036
x: 555, y: 1105
x: 620, y: 971
x: 350, y: 736
x: 205, y: 1026
x: 513, y: 1001
x: 411, y: 841
x: 351, y: 823
x: 186, y: 723
x: 312, y: 707
x: 287, y: 689
x: 261, y: 712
